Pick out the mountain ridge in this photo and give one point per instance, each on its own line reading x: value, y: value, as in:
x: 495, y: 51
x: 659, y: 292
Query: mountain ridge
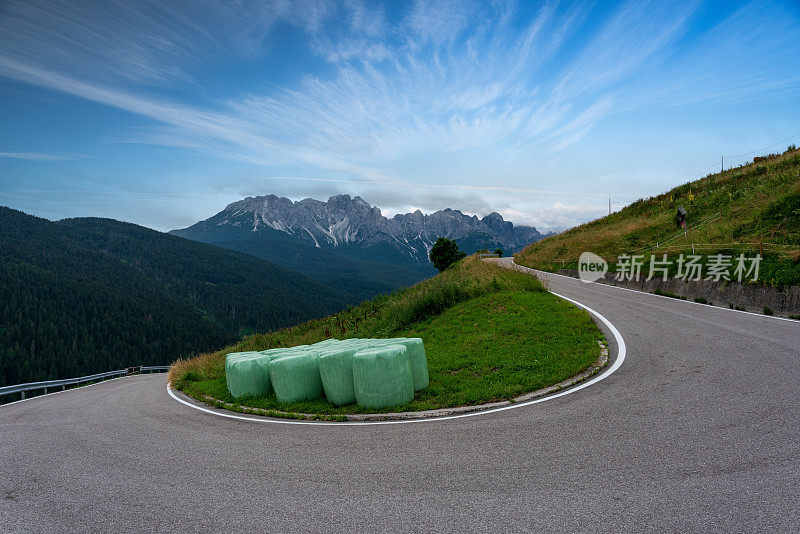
x: 345, y: 221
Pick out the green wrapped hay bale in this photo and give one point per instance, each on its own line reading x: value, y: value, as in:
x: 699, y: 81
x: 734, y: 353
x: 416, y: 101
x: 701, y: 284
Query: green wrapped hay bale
x: 363, y: 343
x: 248, y: 375
x: 419, y: 362
x: 331, y: 342
x: 416, y: 353
x: 336, y: 372
x: 382, y: 376
x: 274, y: 354
x: 296, y: 377
x: 239, y: 355
x: 278, y: 350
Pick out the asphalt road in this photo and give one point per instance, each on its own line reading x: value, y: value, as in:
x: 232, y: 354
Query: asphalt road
x: 698, y: 430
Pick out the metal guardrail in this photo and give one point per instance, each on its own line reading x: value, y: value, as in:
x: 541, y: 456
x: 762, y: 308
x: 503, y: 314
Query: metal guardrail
x: 22, y: 389
x: 481, y: 256
x: 154, y: 368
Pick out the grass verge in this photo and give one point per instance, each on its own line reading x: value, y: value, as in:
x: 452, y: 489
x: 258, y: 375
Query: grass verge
x: 490, y: 334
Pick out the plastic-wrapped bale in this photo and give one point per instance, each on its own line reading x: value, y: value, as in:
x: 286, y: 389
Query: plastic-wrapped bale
x: 336, y: 372
x: 296, y: 377
x: 419, y: 362
x: 416, y: 353
x: 248, y: 375
x: 382, y: 376
x: 232, y: 357
x: 273, y: 351
x: 350, y: 344
x: 280, y: 353
x: 326, y: 343
x: 363, y: 343
x: 239, y: 355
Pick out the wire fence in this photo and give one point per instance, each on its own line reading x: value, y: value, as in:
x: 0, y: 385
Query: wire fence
x: 694, y: 228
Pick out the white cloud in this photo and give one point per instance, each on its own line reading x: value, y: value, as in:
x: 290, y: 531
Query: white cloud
x: 37, y: 156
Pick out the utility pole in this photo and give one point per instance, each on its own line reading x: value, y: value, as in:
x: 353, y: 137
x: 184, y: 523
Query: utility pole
x: 609, y: 205
x: 722, y: 164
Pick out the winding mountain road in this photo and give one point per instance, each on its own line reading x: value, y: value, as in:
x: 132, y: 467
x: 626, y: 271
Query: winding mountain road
x: 698, y: 430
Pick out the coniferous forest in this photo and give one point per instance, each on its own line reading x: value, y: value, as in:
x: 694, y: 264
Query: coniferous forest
x: 82, y: 296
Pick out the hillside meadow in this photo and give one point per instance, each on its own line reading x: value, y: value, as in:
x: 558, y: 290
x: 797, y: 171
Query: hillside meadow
x: 490, y: 334
x: 751, y: 209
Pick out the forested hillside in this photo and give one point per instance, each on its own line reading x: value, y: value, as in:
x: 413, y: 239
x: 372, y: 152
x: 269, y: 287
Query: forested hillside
x: 352, y: 270
x: 80, y: 296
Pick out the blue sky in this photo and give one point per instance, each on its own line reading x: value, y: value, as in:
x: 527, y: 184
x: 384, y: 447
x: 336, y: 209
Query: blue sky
x: 162, y: 113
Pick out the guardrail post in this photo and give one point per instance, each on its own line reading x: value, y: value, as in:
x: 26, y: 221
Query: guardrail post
x: 21, y: 395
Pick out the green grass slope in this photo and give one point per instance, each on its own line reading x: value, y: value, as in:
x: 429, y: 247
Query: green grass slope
x: 750, y: 209
x: 489, y: 333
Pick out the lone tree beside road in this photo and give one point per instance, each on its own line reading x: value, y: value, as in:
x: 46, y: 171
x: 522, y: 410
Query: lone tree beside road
x: 444, y: 253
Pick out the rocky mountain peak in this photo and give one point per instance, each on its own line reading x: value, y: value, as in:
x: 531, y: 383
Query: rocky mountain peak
x: 496, y: 222
x: 346, y: 220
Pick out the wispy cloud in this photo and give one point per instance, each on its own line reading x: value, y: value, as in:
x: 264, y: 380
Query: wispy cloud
x: 441, y: 94
x: 147, y: 42
x: 436, y: 95
x: 38, y: 156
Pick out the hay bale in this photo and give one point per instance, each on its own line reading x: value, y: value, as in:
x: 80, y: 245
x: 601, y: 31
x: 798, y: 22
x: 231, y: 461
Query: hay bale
x: 295, y: 377
x: 382, y: 376
x: 419, y: 361
x: 336, y: 372
x: 248, y: 375
x: 239, y: 355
